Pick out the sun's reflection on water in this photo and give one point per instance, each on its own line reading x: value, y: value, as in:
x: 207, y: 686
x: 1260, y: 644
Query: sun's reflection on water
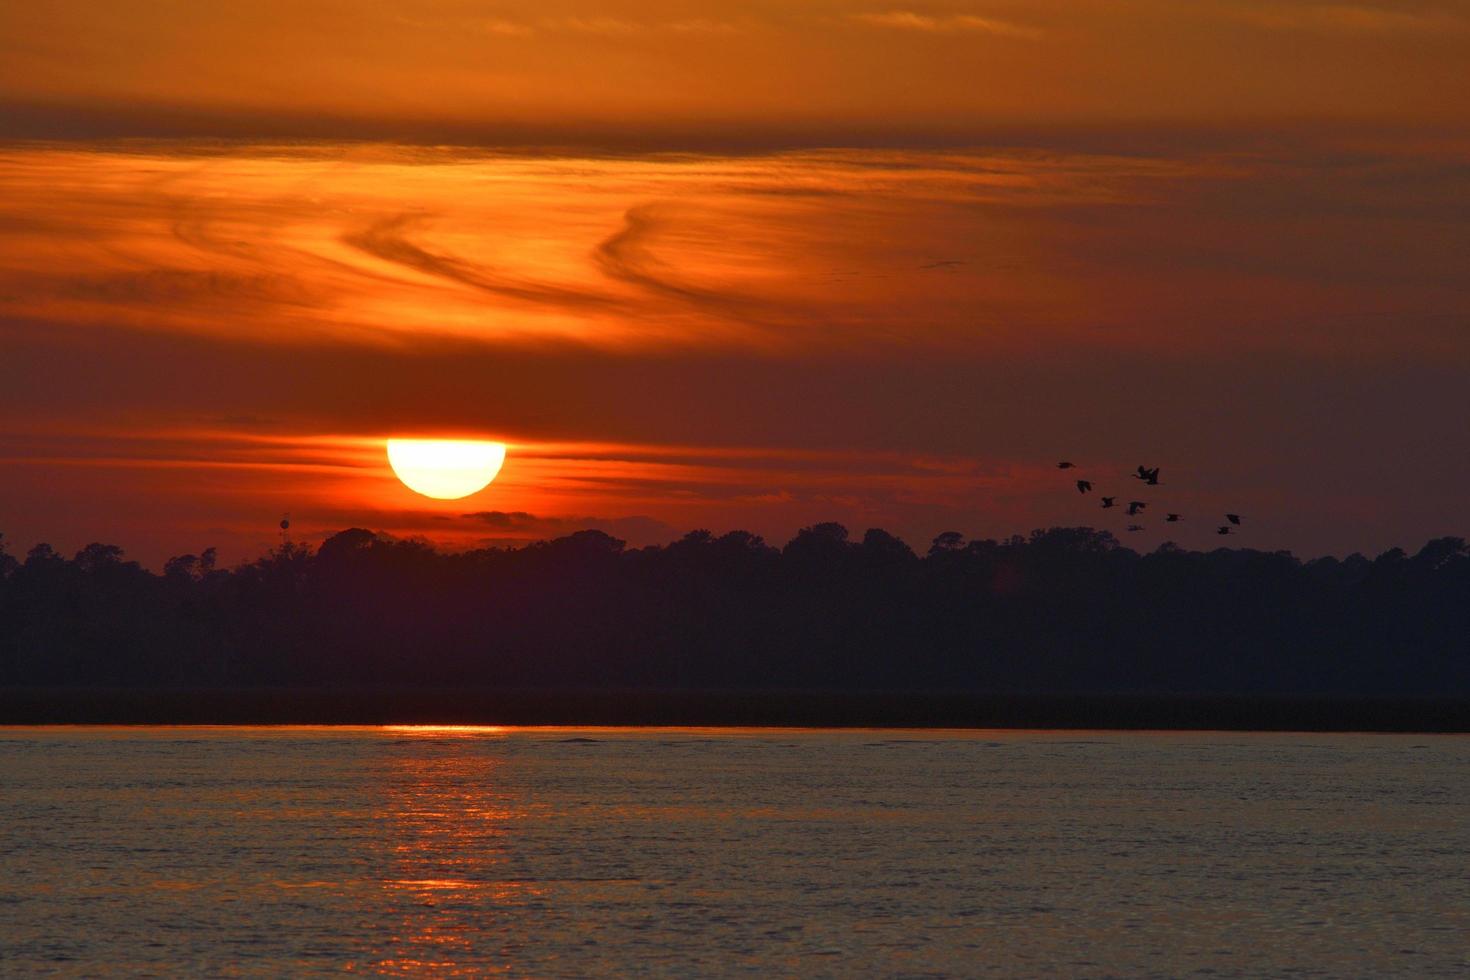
x: 442, y: 730
x: 444, y: 833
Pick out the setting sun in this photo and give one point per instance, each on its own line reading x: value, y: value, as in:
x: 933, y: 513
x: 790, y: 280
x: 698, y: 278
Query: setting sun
x: 445, y: 469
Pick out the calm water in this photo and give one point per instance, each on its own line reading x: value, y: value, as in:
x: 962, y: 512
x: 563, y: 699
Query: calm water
x: 557, y: 852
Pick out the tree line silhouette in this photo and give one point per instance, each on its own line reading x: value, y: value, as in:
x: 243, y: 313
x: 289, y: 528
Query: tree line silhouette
x: 1065, y: 609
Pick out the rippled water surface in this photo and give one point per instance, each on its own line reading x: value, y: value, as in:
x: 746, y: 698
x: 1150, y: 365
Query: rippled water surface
x: 277, y: 851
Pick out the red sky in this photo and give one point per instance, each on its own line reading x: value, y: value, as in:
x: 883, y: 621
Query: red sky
x: 733, y: 266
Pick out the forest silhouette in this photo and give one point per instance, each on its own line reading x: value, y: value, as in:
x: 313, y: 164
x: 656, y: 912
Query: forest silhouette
x: 1063, y: 610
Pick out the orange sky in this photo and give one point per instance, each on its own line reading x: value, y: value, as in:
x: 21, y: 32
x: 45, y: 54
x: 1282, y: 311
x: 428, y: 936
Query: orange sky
x: 882, y: 264
x: 573, y: 67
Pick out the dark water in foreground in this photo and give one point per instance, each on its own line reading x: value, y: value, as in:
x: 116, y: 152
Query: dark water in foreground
x: 576, y: 852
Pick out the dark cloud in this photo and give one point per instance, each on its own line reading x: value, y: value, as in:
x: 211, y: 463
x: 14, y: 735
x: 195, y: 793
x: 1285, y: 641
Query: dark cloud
x: 139, y: 125
x: 518, y: 519
x: 520, y: 528
x: 179, y: 286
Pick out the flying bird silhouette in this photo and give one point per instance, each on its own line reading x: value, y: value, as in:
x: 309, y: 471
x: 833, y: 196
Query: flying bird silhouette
x: 1064, y: 465
x: 1233, y: 518
x: 1135, y: 527
x: 1134, y: 506
x: 1172, y: 518
x: 1109, y: 502
x: 1084, y: 485
x: 1224, y: 529
x: 1149, y: 476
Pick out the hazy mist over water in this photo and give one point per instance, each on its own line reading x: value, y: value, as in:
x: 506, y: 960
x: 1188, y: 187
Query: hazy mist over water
x: 534, y: 851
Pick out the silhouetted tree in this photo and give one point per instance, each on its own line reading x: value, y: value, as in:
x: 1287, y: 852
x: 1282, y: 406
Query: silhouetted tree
x: 947, y: 541
x: 1062, y: 609
x: 8, y: 562
x: 880, y: 547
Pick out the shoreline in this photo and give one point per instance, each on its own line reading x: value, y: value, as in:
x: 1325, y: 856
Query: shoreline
x: 743, y: 709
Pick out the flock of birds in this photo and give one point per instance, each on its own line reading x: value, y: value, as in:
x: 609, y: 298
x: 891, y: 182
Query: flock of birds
x: 1149, y: 477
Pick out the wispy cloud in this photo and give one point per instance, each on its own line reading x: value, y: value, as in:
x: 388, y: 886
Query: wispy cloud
x: 601, y: 26
x: 909, y: 20
x: 504, y: 27
x: 702, y: 25
x: 626, y: 256
x: 379, y: 246
x: 387, y: 239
